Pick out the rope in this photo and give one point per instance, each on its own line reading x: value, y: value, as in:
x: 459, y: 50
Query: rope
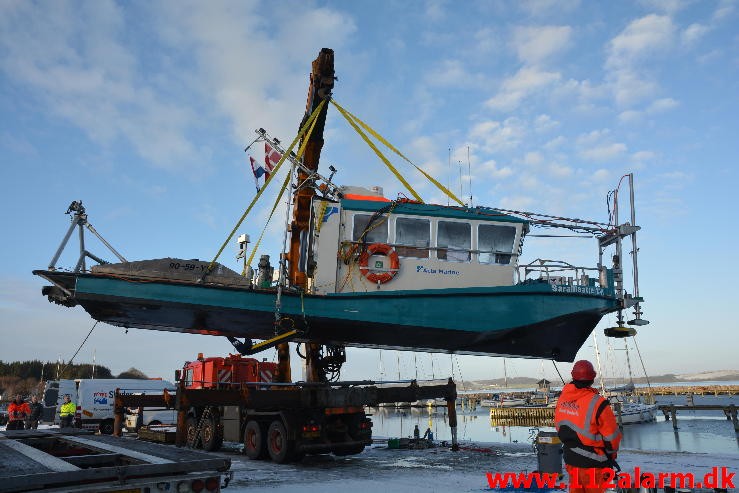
x: 61, y: 373
x: 649, y: 385
x: 308, y: 124
x: 379, y: 154
x: 379, y: 137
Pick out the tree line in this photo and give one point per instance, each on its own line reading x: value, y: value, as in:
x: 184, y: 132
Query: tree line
x: 25, y: 377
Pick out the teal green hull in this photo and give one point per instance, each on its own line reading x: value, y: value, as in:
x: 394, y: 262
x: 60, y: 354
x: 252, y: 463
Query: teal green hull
x: 531, y: 320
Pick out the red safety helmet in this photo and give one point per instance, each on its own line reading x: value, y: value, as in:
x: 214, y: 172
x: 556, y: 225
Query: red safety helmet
x: 583, y: 370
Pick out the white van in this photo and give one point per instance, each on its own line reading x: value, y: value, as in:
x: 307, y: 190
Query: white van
x: 95, y: 398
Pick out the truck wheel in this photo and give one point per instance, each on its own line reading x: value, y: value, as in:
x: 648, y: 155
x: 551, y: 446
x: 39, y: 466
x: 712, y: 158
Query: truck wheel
x: 255, y: 446
x: 211, y: 434
x: 279, y: 447
x: 106, y: 427
x: 191, y: 426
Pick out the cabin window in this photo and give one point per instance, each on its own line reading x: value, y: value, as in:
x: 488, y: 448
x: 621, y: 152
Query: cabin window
x: 188, y: 377
x: 412, y: 237
x: 495, y: 243
x: 453, y: 241
x: 377, y: 230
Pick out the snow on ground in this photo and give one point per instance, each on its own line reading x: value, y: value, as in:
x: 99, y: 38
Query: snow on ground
x: 380, y: 469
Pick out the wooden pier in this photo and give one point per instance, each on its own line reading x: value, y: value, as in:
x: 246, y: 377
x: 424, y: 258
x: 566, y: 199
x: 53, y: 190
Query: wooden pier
x: 730, y: 411
x: 523, y: 416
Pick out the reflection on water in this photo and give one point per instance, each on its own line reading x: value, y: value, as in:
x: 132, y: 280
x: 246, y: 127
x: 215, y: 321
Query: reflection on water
x: 699, y: 431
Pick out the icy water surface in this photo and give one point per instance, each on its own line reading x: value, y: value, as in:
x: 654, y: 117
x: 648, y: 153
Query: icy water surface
x: 699, y: 431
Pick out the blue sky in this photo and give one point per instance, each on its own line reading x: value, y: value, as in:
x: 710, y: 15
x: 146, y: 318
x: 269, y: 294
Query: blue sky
x: 142, y: 110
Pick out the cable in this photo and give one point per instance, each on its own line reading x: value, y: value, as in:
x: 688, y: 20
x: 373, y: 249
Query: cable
x: 61, y: 373
x: 558, y: 373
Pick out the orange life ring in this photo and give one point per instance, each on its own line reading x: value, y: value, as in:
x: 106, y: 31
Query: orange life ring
x: 379, y: 249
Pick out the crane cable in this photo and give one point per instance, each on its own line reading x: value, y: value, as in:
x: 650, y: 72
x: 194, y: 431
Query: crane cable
x: 354, y: 121
x: 302, y: 131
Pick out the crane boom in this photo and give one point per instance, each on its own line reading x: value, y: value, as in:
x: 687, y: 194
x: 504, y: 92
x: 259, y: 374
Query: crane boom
x: 321, y: 83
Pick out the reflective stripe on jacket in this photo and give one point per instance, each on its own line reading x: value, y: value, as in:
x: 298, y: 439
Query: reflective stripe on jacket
x: 587, y: 427
x: 18, y: 412
x: 67, y: 409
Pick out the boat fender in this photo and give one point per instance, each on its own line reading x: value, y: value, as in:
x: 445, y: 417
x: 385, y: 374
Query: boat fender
x: 379, y: 249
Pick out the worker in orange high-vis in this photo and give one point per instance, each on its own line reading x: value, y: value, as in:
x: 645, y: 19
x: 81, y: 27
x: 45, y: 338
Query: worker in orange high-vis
x: 588, y: 430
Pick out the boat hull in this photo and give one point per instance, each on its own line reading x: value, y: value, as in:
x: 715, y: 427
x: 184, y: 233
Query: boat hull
x: 530, y: 320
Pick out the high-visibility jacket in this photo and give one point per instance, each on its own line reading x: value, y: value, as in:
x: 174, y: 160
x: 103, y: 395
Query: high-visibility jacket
x: 67, y: 409
x: 18, y: 412
x: 587, y: 427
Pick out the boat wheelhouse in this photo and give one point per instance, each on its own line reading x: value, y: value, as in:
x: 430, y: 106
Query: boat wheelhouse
x: 367, y: 243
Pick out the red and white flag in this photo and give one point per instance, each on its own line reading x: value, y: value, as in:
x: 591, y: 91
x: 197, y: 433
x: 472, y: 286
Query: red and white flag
x: 271, y: 158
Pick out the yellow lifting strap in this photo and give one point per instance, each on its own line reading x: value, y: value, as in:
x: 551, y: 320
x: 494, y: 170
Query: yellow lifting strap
x: 279, y: 196
x: 306, y: 125
x: 377, y: 151
x: 379, y: 137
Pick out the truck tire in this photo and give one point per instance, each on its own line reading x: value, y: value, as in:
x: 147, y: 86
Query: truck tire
x: 211, y: 435
x: 255, y: 443
x: 106, y: 427
x: 279, y: 447
x: 191, y: 426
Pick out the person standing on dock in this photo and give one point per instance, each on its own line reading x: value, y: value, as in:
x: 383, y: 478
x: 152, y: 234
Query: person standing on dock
x: 66, y: 412
x: 588, y: 430
x: 18, y: 412
x: 35, y: 415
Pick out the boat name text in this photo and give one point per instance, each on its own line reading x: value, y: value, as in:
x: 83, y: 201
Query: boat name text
x: 420, y: 269
x: 557, y: 288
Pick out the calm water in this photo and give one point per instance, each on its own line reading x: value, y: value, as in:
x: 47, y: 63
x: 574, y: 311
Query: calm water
x: 699, y: 431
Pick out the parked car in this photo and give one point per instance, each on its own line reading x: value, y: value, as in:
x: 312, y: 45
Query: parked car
x: 3, y: 414
x: 152, y: 417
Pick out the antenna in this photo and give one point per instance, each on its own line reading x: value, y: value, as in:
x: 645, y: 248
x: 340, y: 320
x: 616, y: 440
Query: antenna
x: 469, y: 173
x: 449, y: 175
x: 461, y: 193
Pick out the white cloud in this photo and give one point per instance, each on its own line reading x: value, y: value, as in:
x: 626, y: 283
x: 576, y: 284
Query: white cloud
x: 640, y: 41
x: 533, y: 158
x: 660, y: 105
x: 555, y: 143
x: 597, y: 146
x: 560, y: 170
x: 643, y: 156
x: 654, y: 108
x: 486, y: 40
x: 450, y: 73
x: 724, y: 10
x: 667, y: 6
x: 490, y: 169
x: 693, y: 33
x: 527, y: 81
x: 547, y: 8
x: 536, y: 45
x: 545, y: 123
x: 601, y: 176
x: 498, y: 136
x: 605, y: 152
